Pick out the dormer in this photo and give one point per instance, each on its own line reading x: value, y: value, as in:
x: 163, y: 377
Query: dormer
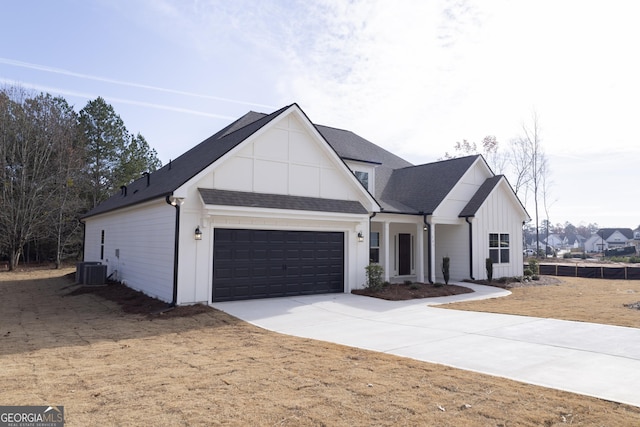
x: 364, y: 172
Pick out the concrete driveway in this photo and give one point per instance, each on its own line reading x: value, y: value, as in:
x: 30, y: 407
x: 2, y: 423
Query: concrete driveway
x: 591, y: 359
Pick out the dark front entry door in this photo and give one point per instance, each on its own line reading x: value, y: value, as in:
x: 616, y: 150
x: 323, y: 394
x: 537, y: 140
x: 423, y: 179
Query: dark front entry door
x: 250, y: 264
x: 404, y: 254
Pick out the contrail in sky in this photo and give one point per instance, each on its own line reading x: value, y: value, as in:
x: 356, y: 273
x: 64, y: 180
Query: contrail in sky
x: 54, y: 90
x: 121, y: 82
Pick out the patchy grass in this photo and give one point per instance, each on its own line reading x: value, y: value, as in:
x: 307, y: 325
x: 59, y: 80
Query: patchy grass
x: 568, y: 298
x: 99, y: 353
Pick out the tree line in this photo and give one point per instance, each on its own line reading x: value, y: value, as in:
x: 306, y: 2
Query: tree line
x: 55, y: 165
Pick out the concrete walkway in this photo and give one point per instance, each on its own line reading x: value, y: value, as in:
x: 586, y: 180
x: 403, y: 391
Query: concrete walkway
x: 591, y: 359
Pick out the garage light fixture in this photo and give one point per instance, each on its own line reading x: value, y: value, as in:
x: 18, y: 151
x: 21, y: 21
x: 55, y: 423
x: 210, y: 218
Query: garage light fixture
x: 360, y: 236
x: 175, y: 201
x: 198, y: 233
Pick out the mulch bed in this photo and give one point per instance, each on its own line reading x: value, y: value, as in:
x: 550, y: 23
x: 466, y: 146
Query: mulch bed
x: 134, y: 302
x: 402, y: 291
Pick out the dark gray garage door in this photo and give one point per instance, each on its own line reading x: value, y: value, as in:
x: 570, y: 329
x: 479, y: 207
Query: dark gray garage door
x: 251, y: 264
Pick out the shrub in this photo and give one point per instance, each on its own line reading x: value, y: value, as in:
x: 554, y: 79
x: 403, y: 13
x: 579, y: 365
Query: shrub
x: 375, y: 275
x: 527, y: 272
x: 445, y: 269
x: 413, y: 286
x: 634, y: 259
x: 534, y: 266
x: 408, y: 282
x: 567, y: 255
x: 489, y: 267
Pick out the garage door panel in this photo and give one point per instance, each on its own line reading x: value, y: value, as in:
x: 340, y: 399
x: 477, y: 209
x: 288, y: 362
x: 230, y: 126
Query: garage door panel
x: 272, y: 263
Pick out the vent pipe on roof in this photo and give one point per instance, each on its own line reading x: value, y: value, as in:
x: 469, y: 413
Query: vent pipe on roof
x: 147, y: 174
x: 169, y: 164
x: 123, y: 190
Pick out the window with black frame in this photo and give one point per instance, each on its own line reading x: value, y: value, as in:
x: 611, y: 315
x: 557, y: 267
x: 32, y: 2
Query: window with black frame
x: 363, y: 177
x: 374, y: 247
x: 499, y: 247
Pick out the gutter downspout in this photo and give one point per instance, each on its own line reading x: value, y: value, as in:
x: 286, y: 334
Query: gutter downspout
x: 470, y: 247
x: 175, y: 252
x: 428, y: 226
x: 370, y: 218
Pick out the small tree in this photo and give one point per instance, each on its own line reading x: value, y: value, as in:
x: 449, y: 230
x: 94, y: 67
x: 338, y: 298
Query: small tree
x: 445, y: 269
x: 489, y: 266
x: 375, y: 276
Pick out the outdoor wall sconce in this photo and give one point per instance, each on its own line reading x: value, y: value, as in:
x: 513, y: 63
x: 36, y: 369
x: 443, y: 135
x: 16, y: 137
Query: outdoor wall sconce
x: 198, y: 233
x: 360, y: 236
x: 175, y: 201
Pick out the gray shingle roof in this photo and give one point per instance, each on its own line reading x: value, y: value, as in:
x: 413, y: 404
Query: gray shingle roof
x: 278, y: 201
x: 481, y: 195
x: 422, y: 188
x: 400, y: 186
x: 172, y: 175
x: 607, y: 232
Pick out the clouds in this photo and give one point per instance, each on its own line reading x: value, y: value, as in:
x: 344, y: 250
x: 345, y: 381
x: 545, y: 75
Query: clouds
x: 413, y: 76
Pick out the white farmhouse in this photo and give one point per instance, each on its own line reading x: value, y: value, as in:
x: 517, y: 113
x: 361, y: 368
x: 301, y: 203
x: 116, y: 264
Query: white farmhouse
x: 273, y: 205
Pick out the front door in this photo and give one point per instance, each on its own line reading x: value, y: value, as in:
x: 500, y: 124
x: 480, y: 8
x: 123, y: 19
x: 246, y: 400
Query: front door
x: 404, y: 254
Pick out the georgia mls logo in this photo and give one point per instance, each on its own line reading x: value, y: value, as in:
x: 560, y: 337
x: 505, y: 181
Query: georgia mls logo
x: 31, y: 416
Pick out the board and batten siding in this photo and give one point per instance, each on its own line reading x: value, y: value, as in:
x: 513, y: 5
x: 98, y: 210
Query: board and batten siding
x: 461, y: 193
x: 285, y: 159
x: 138, y: 246
x: 453, y: 242
x: 498, y: 214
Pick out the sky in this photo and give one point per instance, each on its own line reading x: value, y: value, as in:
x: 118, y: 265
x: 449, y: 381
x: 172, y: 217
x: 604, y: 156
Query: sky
x: 414, y: 77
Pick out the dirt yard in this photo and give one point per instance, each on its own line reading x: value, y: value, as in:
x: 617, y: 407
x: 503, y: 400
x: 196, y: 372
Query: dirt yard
x: 116, y: 365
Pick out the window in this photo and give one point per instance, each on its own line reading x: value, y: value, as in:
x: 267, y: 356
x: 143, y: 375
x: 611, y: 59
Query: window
x: 102, y: 245
x: 499, y: 248
x: 363, y: 177
x: 374, y: 247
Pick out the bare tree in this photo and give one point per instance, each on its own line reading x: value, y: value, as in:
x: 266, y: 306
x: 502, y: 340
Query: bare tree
x: 546, y: 185
x: 533, y: 164
x: 25, y: 155
x: 490, y: 151
x: 66, y: 202
x: 520, y: 160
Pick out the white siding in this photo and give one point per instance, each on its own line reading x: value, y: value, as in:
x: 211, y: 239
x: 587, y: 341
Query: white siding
x: 462, y: 192
x: 498, y: 214
x: 453, y: 242
x: 143, y: 236
x: 285, y: 159
x: 196, y: 257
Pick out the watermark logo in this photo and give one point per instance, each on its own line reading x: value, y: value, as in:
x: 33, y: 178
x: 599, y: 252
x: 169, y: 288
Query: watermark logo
x: 31, y: 416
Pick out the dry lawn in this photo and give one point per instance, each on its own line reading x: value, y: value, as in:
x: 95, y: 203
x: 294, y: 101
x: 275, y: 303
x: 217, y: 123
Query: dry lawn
x: 202, y: 367
x: 569, y: 298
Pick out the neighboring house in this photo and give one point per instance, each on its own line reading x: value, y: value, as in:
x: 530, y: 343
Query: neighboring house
x: 565, y: 242
x: 608, y: 238
x: 273, y: 205
x: 556, y: 241
x: 574, y: 241
x: 636, y: 239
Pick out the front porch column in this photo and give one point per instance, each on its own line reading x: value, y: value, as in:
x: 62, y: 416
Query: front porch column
x: 432, y: 252
x: 420, y: 254
x: 385, y: 250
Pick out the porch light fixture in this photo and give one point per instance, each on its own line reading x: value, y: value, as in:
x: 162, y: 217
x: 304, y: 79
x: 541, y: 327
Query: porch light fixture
x: 360, y: 236
x: 176, y: 201
x: 198, y: 234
